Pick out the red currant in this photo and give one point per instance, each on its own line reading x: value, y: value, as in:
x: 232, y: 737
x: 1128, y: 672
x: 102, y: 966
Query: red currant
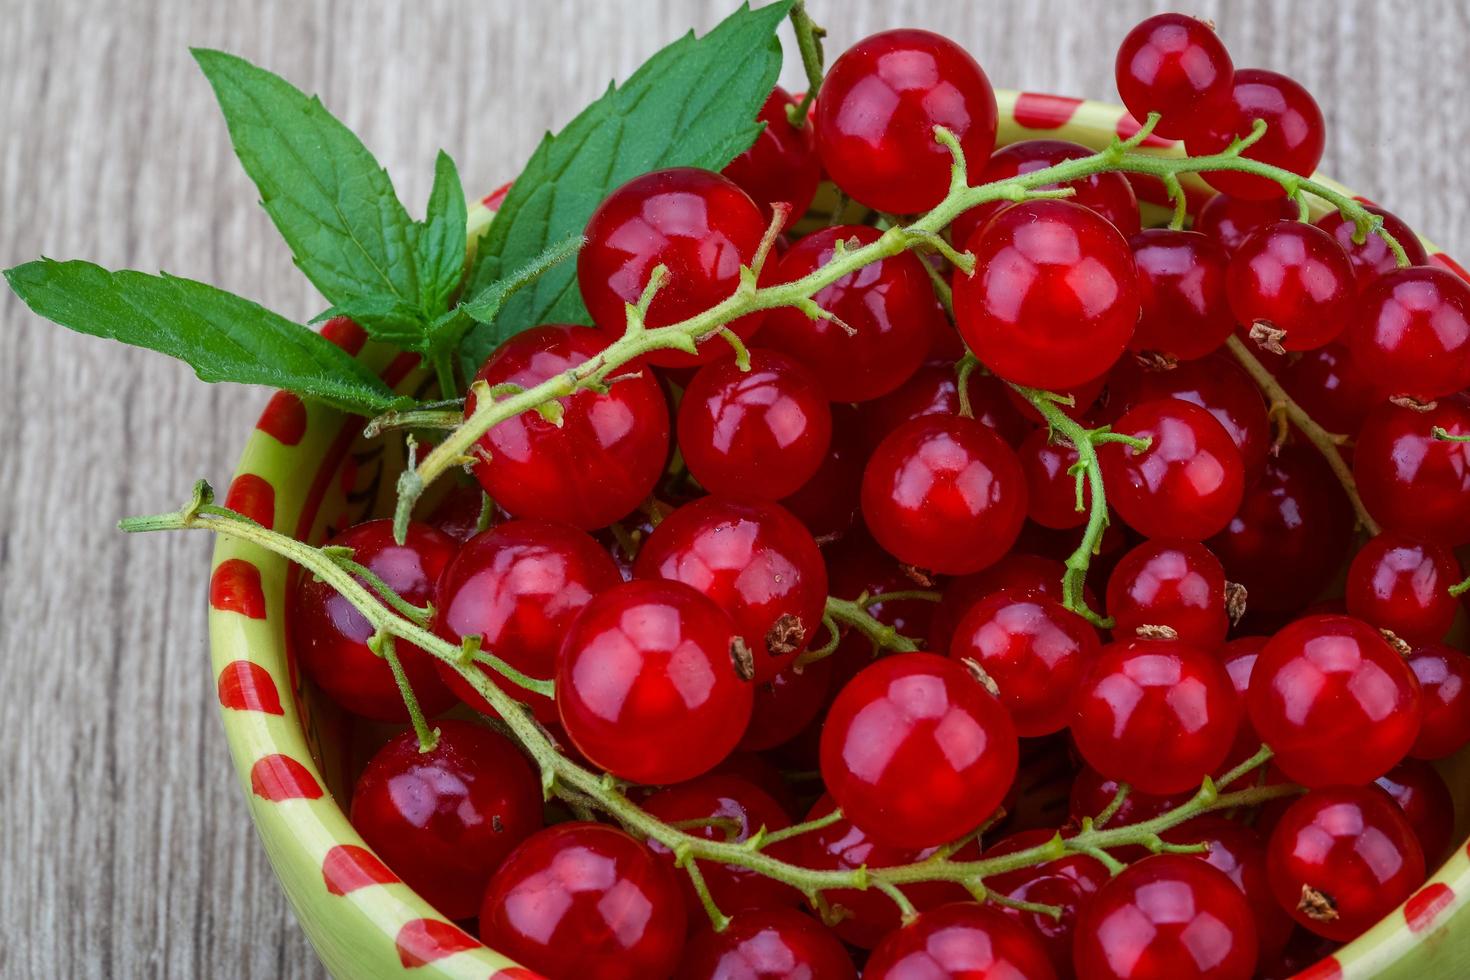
x: 1092, y: 792
x: 1067, y: 883
x: 857, y: 567
x: 698, y: 225
x: 1231, y: 220
x: 585, y: 900
x: 787, y: 703
x: 1051, y: 487
x: 761, y: 432
x: 962, y: 939
x: 1181, y: 286
x: 1157, y: 714
x: 782, y: 164
x: 1400, y: 585
x: 1188, y: 482
x: 445, y: 819
x: 1421, y: 793
x: 1239, y: 658
x: 644, y: 659
x: 887, y: 312
x: 1054, y: 297
x: 594, y: 465
x: 1016, y: 571
x: 1170, y: 915
x: 944, y: 493
x: 1444, y: 679
x: 1240, y: 852
x: 769, y: 944
x: 1341, y: 858
x: 1373, y: 258
x: 1174, y: 65
x: 1331, y: 387
x: 828, y: 503
x: 1293, y: 280
x: 1294, y: 139
x: 934, y: 390
x: 458, y: 513
x: 1328, y: 682
x: 880, y: 103
x: 1413, y: 326
x: 1411, y: 481
x: 916, y: 751
x: 758, y: 564
x: 1176, y: 584
x: 332, y: 636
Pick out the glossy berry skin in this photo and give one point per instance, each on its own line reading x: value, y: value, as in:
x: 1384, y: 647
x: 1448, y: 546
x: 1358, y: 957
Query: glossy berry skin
x: 1054, y: 298
x: 782, y: 163
x: 1017, y: 571
x: 1167, y: 916
x: 1373, y: 258
x: 1174, y: 65
x: 748, y: 808
x: 332, y: 636
x: 1294, y: 139
x: 585, y: 900
x: 960, y: 940
x: 760, y: 433
x: 699, y: 225
x: 644, y: 659
x: 1189, y: 481
x: 599, y: 463
x: 1068, y: 883
x: 1157, y: 714
x: 518, y: 587
x: 769, y: 944
x: 1400, y: 585
x: 916, y: 751
x: 828, y: 503
x: 878, y: 108
x: 1051, y: 489
x: 787, y: 703
x: 1293, y: 277
x: 445, y: 819
x: 1331, y: 387
x: 1343, y: 857
x: 1413, y: 326
x: 1178, y: 584
x: 889, y: 305
x: 755, y: 561
x: 1444, y: 679
x: 933, y: 390
x: 1231, y: 220
x: 1409, y: 480
x: 1239, y: 658
x: 1328, y: 682
x: 1109, y: 194
x: 945, y: 494
x: 1423, y: 796
x: 1240, y: 852
x: 1181, y: 288
x: 1034, y: 649
x: 856, y: 566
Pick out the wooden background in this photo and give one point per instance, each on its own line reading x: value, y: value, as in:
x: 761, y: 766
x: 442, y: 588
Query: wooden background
x: 125, y: 849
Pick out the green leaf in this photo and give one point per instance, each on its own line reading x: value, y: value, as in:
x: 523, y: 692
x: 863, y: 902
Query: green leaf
x: 223, y: 337
x: 441, y: 241
x: 693, y: 104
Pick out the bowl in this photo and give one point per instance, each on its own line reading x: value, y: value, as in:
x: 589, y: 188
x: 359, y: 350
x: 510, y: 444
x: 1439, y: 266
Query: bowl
x: 306, y: 471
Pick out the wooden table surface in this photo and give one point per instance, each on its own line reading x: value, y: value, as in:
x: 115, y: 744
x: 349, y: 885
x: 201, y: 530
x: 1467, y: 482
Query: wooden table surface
x: 125, y: 849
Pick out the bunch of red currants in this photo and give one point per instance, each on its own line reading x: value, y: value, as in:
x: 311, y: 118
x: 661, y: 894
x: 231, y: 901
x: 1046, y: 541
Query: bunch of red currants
x: 812, y: 570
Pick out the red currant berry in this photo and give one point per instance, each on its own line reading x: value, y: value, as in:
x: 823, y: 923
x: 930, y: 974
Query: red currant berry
x: 1373, y: 258
x: 1239, y: 658
x: 1293, y: 281
x: 1188, y: 482
x: 1108, y: 193
x: 1411, y: 481
x: 1240, y: 852
x: 1294, y: 139
x: 445, y: 819
x: 945, y: 494
x: 1421, y: 793
x: 787, y: 703
x: 1175, y: 584
x: 458, y: 513
x: 1092, y: 793
x: 1181, y: 286
x: 1157, y: 714
x: 933, y: 390
x: 962, y: 939
x: 769, y: 944
x: 1051, y: 487
x: 1231, y: 220
x: 696, y: 224
x: 761, y: 432
x: 1067, y: 883
x: 1054, y: 297
x: 1170, y: 915
x: 1325, y: 683
x: 644, y: 659
x: 585, y: 900
x: 758, y: 564
x: 1016, y: 571
x: 916, y: 751
x: 887, y: 313
x: 828, y: 503
x: 1341, y: 858
x: 741, y: 808
x: 594, y: 465
x: 1291, y: 534
x: 518, y: 587
x: 1402, y: 586
x: 857, y: 567
x: 1444, y: 679
x: 1413, y: 326
x: 1331, y: 388
x: 332, y: 636
x: 880, y: 103
x: 1035, y: 650
x: 1174, y: 65
x: 782, y: 164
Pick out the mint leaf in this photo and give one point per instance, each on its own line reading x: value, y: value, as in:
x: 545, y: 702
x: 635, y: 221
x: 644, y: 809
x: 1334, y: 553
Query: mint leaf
x: 693, y: 104
x: 440, y: 251
x: 223, y: 337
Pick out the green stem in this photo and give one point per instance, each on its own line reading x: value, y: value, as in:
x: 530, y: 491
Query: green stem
x: 797, y: 829
x: 383, y: 644
x: 1111, y: 810
x: 444, y: 371
x: 920, y: 595
x: 963, y: 369
x: 847, y: 612
x: 809, y: 43
x: 1460, y: 588
x: 419, y: 614
x: 417, y: 418
x: 1444, y: 435
x: 718, y: 920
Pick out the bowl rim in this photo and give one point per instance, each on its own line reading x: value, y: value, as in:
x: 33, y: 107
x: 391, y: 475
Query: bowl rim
x: 360, y: 918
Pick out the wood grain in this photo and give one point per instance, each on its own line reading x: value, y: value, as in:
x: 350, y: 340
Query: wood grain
x: 125, y: 849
